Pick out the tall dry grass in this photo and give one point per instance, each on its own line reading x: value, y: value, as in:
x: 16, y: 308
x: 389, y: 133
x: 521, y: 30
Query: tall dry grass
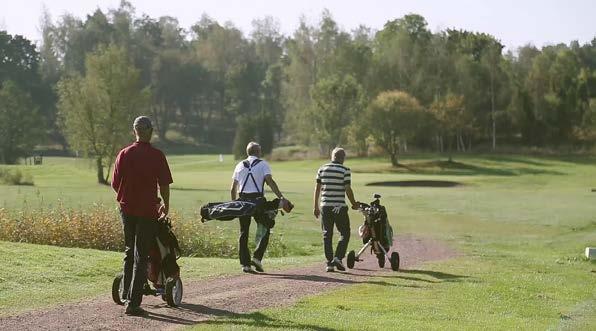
x: 101, y: 228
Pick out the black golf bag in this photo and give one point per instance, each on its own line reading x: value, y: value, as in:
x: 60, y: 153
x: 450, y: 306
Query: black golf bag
x: 262, y: 210
x: 163, y: 254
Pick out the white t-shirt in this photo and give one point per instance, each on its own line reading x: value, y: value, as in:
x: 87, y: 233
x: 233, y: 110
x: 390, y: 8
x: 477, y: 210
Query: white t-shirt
x: 259, y: 172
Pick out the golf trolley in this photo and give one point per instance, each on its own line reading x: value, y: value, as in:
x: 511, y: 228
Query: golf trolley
x: 162, y: 269
x: 376, y: 233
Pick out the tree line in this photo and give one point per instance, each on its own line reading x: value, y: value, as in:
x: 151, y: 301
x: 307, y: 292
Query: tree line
x: 401, y: 87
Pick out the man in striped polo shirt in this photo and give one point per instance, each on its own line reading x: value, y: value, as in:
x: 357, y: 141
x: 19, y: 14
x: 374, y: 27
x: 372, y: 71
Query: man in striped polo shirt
x: 333, y: 184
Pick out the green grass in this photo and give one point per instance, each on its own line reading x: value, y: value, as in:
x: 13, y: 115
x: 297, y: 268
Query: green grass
x: 42, y: 276
x: 521, y: 222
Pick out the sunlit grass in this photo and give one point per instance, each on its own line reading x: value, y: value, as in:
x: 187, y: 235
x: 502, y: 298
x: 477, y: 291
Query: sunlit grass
x: 521, y: 223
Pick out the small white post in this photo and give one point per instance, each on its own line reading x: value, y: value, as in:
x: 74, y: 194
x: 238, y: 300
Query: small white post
x: 220, y: 157
x: 591, y: 253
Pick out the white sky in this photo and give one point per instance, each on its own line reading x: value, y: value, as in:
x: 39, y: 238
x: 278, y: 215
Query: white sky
x: 514, y: 22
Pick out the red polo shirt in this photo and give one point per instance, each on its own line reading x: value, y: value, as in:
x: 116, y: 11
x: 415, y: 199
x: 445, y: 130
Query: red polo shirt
x: 138, y: 171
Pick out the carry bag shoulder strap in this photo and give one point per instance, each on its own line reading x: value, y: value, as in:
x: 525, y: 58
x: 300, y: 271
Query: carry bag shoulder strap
x: 249, y: 166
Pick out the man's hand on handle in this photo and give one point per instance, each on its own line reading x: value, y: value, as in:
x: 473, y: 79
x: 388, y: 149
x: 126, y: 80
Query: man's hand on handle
x: 163, y: 210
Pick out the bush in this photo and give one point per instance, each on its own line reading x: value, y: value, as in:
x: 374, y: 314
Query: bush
x: 101, y: 228
x: 15, y: 177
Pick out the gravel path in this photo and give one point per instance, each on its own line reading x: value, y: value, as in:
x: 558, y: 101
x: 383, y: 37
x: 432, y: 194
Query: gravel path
x: 208, y: 299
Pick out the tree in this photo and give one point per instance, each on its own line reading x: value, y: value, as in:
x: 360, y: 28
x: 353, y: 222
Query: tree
x: 96, y: 110
x: 246, y: 132
x: 20, y: 123
x: 336, y: 103
x: 453, y: 120
x: 300, y: 70
x: 492, y: 58
x: 401, y: 54
x: 395, y: 117
x: 267, y: 40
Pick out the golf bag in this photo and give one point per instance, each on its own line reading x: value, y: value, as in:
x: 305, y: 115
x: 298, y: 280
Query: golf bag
x: 376, y: 234
x: 376, y: 220
x: 251, y: 204
x: 262, y: 210
x: 163, y: 254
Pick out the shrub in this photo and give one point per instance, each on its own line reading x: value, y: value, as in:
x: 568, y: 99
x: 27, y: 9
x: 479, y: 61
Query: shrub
x: 15, y: 177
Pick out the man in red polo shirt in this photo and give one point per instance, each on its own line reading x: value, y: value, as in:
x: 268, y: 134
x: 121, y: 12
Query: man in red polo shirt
x: 138, y: 172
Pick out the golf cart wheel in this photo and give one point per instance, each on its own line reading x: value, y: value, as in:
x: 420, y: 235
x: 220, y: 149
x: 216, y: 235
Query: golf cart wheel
x: 394, y: 261
x: 351, y: 259
x: 174, y: 292
x: 118, y: 289
x: 381, y: 260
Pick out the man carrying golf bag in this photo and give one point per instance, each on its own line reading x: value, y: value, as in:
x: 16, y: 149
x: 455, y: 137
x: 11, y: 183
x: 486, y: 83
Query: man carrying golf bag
x: 250, y: 176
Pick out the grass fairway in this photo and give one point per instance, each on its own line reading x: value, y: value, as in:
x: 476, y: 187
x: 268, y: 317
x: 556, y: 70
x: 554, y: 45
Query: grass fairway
x: 521, y: 223
x: 42, y: 276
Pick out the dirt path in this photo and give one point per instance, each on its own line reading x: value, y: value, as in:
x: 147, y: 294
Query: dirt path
x: 223, y: 296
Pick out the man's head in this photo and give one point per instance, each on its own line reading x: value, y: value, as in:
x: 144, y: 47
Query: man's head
x: 253, y: 149
x: 143, y: 128
x: 338, y: 155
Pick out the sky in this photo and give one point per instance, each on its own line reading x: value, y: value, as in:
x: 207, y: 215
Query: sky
x: 515, y: 23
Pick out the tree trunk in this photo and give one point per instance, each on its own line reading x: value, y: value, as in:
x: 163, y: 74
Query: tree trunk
x: 457, y: 145
x: 394, y: 160
x: 450, y: 149
x: 461, y: 141
x: 492, y: 110
x: 100, y: 176
x: 108, y: 172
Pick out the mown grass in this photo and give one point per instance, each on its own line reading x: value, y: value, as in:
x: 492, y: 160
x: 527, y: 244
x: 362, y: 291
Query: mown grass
x: 522, y: 225
x: 35, y: 276
x: 521, y: 222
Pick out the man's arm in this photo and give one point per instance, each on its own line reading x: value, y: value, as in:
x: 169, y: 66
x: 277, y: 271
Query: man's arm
x: 350, y: 195
x: 116, y: 174
x: 164, y: 191
x: 273, y: 185
x: 317, y: 195
x: 164, y: 179
x: 233, y: 189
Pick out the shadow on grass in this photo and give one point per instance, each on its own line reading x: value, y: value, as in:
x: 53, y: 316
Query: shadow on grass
x: 196, y: 189
x: 466, y: 169
x: 324, y: 279
x: 515, y: 159
x: 260, y: 320
x: 416, y: 183
x: 204, y: 316
x: 437, y: 274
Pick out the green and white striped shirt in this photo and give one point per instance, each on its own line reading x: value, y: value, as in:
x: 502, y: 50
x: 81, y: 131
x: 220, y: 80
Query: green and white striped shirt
x: 333, y: 178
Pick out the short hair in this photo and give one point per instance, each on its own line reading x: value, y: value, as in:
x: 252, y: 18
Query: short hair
x: 253, y: 148
x: 338, y: 152
x: 142, y: 123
